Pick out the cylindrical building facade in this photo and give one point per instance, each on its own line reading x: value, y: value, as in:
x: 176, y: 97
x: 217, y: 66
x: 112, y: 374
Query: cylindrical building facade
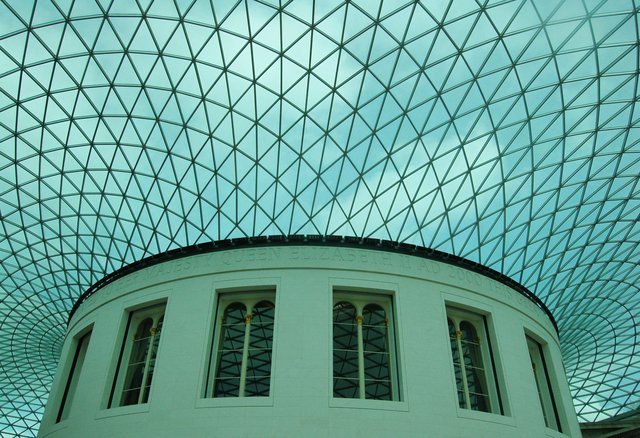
x: 309, y: 339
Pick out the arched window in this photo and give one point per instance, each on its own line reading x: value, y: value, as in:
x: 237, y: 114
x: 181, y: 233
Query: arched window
x: 244, y: 340
x: 260, y: 348
x: 376, y: 353
x: 363, y: 356
x: 346, y: 379
x: 472, y: 363
x: 478, y: 397
x: 230, y: 351
x: 138, y: 357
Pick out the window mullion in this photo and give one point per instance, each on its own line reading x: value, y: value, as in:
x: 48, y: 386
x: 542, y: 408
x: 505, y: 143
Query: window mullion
x: 361, y: 383
x: 245, y: 354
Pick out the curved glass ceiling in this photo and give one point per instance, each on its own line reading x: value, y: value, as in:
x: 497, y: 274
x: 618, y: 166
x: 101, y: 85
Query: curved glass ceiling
x: 505, y: 132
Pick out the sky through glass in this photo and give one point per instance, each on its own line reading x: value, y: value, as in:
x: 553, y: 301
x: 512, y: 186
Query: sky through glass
x: 500, y: 131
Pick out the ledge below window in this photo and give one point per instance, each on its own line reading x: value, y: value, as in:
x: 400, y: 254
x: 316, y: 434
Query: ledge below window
x: 489, y: 417
x: 123, y: 410
x: 228, y: 402
x: 356, y: 403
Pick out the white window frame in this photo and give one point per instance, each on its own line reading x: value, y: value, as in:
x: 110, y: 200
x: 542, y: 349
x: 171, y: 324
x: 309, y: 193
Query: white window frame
x: 543, y: 383
x: 249, y: 299
x: 360, y: 300
x: 135, y: 317
x: 480, y: 324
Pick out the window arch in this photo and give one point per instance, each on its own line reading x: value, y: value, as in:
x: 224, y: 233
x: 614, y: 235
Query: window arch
x: 473, y: 367
x: 260, y: 349
x: 243, y: 346
x: 346, y: 380
x: 376, y: 353
x: 363, y: 348
x: 139, y: 353
x: 229, y: 363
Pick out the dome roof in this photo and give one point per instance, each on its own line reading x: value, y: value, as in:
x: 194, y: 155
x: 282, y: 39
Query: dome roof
x: 503, y: 132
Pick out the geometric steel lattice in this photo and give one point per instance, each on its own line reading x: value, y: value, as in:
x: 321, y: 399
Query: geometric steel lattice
x: 501, y: 131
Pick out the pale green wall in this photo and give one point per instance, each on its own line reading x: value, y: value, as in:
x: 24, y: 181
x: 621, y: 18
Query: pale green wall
x: 301, y: 403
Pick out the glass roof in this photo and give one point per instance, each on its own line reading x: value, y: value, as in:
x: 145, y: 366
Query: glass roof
x: 500, y: 131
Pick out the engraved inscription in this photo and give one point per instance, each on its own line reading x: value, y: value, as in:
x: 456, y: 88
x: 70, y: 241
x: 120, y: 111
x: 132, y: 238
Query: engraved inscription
x: 327, y: 256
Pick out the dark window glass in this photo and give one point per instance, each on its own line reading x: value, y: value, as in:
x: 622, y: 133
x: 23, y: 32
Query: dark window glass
x: 345, y: 351
x: 376, y: 353
x: 229, y: 366
x: 469, y: 364
x: 244, y: 352
x: 139, y: 354
x: 362, y: 360
x: 260, y: 347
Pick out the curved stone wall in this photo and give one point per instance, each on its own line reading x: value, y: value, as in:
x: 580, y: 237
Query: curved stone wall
x: 421, y: 307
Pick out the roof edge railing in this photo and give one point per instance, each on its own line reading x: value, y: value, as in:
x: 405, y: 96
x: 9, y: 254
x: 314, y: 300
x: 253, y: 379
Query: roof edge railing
x: 312, y: 240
